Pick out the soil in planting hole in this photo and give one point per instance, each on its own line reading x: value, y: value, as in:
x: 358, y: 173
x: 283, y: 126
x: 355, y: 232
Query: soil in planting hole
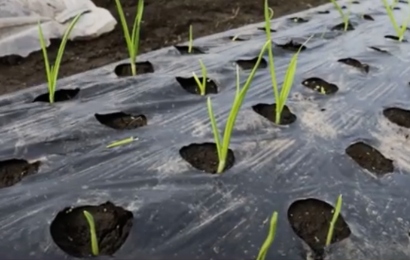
x: 238, y: 38
x: 184, y: 50
x: 310, y: 220
x: 268, y: 111
x: 60, y: 95
x: 124, y: 70
x: 378, y: 49
x: 320, y: 86
x: 369, y: 158
x: 121, y: 120
x: 298, y: 20
x: 355, y: 63
x: 206, y: 16
x: 190, y: 85
x: 70, y: 230
x: 398, y: 116
x: 204, y: 157
x: 341, y: 27
x: 368, y: 17
x: 394, y: 38
x: 292, y: 46
x: 250, y: 64
x: 264, y: 29
x: 14, y: 170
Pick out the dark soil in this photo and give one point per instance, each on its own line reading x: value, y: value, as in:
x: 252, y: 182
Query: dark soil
x: 292, y: 46
x: 355, y: 63
x: 268, y: 111
x: 398, y: 116
x: 165, y: 23
x: 71, y: 232
x: 310, y: 220
x: 370, y: 158
x: 121, y: 120
x: 190, y: 85
x: 204, y: 157
x: 124, y: 70
x: 320, y: 85
x: 249, y: 64
x: 14, y: 170
x: 60, y: 95
x: 341, y: 27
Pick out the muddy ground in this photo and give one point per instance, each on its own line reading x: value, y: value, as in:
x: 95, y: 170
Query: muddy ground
x: 165, y: 23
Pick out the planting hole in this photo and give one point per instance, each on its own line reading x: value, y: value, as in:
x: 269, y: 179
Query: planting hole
x: 323, y: 12
x: 70, y: 229
x: 264, y: 29
x: 370, y: 158
x: 184, y: 50
x: 14, y: 170
x: 238, y: 38
x: 398, y: 116
x: 310, y: 220
x: 355, y: 63
x: 121, y: 120
x: 402, y: 1
x: 60, y: 95
x: 394, y: 38
x: 341, y: 27
x: 320, y: 86
x: 356, y: 2
x: 124, y: 70
x: 268, y: 111
x: 368, y: 17
x: 378, y: 49
x: 190, y: 85
x: 250, y: 64
x: 11, y: 60
x: 204, y: 157
x: 298, y: 20
x: 292, y: 46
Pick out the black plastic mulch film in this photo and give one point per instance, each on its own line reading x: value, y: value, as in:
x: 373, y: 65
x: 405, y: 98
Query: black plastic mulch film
x: 179, y: 212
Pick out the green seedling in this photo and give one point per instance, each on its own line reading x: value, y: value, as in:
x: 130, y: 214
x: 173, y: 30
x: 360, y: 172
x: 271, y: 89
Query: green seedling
x: 52, y: 70
x: 345, y: 17
x: 399, y: 30
x: 223, y: 145
x: 322, y: 90
x: 334, y: 219
x: 191, y: 40
x: 281, y: 97
x: 132, y: 40
x: 121, y: 142
x: 93, y: 233
x: 201, y: 85
x: 269, y: 239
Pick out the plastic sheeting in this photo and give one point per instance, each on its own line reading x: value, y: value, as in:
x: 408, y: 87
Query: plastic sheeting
x: 181, y: 213
x: 19, y: 23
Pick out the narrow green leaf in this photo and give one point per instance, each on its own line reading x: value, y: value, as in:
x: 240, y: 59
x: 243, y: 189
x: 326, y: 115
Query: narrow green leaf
x: 63, y: 44
x: 199, y: 83
x: 391, y: 17
x: 342, y: 15
x: 204, y: 76
x: 334, y: 219
x: 93, y: 233
x: 120, y: 142
x: 270, y: 238
x: 190, y: 43
x: 236, y: 107
x: 50, y: 83
x: 215, y: 130
x: 136, y: 31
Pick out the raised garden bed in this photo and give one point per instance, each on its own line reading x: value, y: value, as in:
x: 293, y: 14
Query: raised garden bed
x: 156, y: 197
